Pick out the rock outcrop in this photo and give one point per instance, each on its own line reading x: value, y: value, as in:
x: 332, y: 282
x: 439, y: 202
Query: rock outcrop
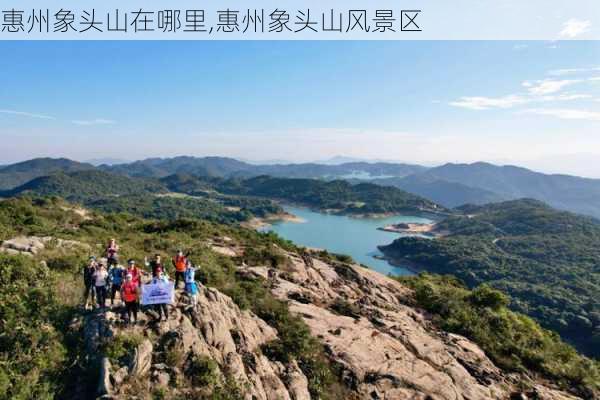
x: 32, y: 245
x: 217, y: 330
x: 385, y: 348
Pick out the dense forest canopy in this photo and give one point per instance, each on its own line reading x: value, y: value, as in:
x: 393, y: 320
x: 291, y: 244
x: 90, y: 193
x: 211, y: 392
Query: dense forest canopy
x: 547, y: 260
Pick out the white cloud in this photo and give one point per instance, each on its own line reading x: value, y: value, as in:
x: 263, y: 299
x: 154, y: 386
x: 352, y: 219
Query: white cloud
x: 565, y: 113
x: 566, y: 97
x: 571, y: 71
x: 486, y: 103
x: 575, y: 27
x: 565, y: 71
x: 546, y: 90
x: 26, y: 114
x: 97, y: 121
x: 510, y: 101
x: 548, y: 86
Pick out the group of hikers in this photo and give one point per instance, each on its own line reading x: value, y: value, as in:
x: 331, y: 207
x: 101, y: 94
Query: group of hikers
x: 105, y: 279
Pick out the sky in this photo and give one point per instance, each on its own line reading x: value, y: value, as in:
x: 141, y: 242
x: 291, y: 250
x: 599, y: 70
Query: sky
x: 535, y: 104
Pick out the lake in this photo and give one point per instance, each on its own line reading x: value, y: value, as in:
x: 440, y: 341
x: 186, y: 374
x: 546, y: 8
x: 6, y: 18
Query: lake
x: 357, y: 237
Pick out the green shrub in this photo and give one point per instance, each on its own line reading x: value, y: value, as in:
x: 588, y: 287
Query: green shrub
x: 485, y: 296
x: 121, y: 348
x: 343, y: 307
x: 203, y: 371
x: 33, y: 355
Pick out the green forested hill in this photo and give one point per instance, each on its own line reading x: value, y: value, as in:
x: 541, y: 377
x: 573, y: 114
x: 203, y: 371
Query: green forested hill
x: 364, y: 198
x: 547, y: 260
x: 337, y: 196
x: 82, y: 185
x: 141, y: 196
x: 17, y: 174
x: 198, y: 166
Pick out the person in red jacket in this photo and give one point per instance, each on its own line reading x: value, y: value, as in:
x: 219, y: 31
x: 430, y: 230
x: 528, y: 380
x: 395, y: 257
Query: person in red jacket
x: 130, y: 295
x: 180, y: 263
x: 134, y: 271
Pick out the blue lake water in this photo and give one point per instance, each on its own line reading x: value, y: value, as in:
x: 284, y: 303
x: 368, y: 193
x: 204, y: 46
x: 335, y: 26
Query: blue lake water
x: 357, y: 237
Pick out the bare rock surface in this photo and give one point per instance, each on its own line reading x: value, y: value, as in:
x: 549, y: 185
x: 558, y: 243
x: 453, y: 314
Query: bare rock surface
x: 32, y: 245
x: 386, y: 348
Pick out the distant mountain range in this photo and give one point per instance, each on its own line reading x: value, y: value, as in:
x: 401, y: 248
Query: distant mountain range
x: 448, y: 193
x: 571, y: 193
x: 106, y: 161
x: 223, y: 167
x: 449, y: 185
x: 209, y: 180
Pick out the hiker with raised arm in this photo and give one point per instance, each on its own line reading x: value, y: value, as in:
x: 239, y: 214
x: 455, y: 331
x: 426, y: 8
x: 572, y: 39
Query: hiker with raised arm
x: 155, y: 265
x: 115, y: 277
x: 130, y: 295
x: 100, y: 282
x: 180, y: 264
x: 191, y: 287
x: 88, y: 281
x: 112, y: 253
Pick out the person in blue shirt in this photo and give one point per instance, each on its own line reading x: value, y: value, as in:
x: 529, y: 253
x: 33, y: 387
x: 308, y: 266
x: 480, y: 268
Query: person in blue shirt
x: 191, y: 288
x: 115, y: 277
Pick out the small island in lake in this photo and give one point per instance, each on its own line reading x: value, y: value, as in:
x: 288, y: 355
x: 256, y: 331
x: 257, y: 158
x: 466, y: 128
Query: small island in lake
x: 413, y: 227
x: 261, y: 222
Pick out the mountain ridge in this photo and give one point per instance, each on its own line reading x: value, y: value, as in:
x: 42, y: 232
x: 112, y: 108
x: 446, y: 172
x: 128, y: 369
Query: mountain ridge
x: 450, y: 185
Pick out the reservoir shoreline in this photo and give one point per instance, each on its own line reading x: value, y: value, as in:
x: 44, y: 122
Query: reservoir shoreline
x: 343, y: 234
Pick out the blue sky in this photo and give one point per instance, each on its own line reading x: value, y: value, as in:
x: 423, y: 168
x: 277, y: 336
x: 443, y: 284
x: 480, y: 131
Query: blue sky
x: 531, y: 103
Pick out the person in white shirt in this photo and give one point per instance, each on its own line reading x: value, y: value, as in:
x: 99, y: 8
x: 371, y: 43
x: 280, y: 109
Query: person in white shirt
x: 100, y: 278
x: 161, y: 308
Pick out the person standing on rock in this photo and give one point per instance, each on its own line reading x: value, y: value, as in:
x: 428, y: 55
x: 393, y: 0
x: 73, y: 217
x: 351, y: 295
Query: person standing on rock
x: 130, y: 295
x: 134, y: 271
x: 100, y: 282
x: 115, y: 276
x: 112, y: 251
x: 180, y: 263
x: 88, y: 281
x: 162, y: 307
x: 191, y: 288
x: 155, y: 265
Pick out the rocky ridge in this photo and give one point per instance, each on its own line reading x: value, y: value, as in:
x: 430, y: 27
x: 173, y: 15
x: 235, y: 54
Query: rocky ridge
x: 385, y: 348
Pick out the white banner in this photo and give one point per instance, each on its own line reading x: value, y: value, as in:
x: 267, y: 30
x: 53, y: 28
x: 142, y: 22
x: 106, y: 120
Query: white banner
x: 158, y: 293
